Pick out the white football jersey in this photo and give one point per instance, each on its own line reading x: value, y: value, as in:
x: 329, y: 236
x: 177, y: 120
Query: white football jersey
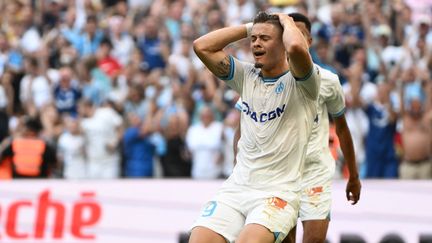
x: 276, y: 123
x: 331, y: 101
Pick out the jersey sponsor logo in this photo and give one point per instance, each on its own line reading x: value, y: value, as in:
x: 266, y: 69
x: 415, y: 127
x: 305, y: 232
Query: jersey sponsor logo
x: 265, y: 116
x: 279, y: 88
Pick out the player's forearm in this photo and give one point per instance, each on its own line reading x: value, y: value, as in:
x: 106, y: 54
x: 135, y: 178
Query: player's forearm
x: 294, y: 42
x: 217, y: 40
x: 297, y: 49
x: 347, y: 147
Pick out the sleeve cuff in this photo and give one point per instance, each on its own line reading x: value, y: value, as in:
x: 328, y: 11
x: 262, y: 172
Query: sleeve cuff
x: 338, y: 114
x: 231, y: 73
x: 238, y: 107
x: 305, y: 77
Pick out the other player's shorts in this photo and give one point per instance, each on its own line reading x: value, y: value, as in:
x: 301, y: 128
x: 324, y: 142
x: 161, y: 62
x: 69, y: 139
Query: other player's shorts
x: 315, y: 200
x: 236, y: 206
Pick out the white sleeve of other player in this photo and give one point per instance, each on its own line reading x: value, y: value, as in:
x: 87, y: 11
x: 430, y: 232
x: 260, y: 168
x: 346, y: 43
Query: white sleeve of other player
x: 310, y: 84
x: 336, y: 101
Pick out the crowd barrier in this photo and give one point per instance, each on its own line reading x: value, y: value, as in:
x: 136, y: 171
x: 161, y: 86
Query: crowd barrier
x: 161, y: 211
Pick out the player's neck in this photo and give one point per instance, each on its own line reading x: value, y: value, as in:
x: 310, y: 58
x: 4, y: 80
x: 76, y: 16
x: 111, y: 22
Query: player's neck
x: 274, y: 72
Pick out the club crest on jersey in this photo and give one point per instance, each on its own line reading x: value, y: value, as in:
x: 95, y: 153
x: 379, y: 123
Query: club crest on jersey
x: 279, y: 88
x: 264, y: 116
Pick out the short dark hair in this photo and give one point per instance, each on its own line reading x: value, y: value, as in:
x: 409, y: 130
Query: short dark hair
x: 33, y: 124
x: 263, y: 17
x: 106, y: 41
x: 298, y: 17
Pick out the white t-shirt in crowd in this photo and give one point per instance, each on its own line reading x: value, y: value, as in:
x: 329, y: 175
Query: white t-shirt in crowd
x: 72, y: 147
x: 36, y: 90
x: 99, y: 131
x: 356, y: 118
x: 205, y: 144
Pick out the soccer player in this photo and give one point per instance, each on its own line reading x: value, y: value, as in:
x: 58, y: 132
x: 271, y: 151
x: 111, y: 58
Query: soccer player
x: 315, y: 200
x: 259, y: 201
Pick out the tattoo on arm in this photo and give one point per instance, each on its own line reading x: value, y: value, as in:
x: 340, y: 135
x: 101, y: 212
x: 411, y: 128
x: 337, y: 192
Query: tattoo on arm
x: 223, y: 67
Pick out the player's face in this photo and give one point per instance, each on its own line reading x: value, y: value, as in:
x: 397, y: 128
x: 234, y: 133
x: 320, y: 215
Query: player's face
x: 266, y: 43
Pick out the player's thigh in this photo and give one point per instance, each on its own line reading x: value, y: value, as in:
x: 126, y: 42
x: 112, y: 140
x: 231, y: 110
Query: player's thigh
x: 255, y: 233
x: 221, y: 219
x: 315, y: 231
x: 291, y: 237
x: 202, y: 234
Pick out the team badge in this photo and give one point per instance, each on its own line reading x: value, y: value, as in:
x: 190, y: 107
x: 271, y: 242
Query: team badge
x: 279, y: 88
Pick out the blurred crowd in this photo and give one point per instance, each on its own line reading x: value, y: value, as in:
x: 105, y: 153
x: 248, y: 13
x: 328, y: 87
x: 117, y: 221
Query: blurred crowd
x: 119, y: 92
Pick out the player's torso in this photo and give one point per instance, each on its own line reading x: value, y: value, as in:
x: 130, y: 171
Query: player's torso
x: 276, y: 123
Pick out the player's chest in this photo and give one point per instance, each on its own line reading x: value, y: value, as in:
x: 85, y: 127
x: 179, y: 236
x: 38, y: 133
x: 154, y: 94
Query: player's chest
x: 265, y: 96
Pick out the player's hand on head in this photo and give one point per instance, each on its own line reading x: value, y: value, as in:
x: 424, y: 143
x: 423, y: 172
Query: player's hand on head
x: 353, y: 189
x: 284, y: 19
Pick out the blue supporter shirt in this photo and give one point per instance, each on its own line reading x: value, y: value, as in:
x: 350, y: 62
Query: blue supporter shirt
x: 380, y: 138
x: 138, y: 152
x: 66, y: 99
x: 151, y: 50
x: 380, y: 152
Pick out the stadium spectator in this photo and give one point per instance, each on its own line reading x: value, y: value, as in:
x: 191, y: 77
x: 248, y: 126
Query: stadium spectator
x: 176, y: 160
x: 66, y: 93
x: 138, y: 147
x: 31, y: 156
x: 417, y: 132
x: 154, y: 49
x: 123, y: 44
x: 381, y: 161
x: 106, y: 62
x: 358, y: 86
x: 89, y: 41
x: 6, y: 104
x: 102, y: 129
x: 204, y: 140
x: 35, y: 89
x: 71, y: 150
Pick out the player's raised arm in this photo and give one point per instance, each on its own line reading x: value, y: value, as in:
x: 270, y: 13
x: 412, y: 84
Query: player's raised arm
x: 296, y: 47
x: 209, y: 48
